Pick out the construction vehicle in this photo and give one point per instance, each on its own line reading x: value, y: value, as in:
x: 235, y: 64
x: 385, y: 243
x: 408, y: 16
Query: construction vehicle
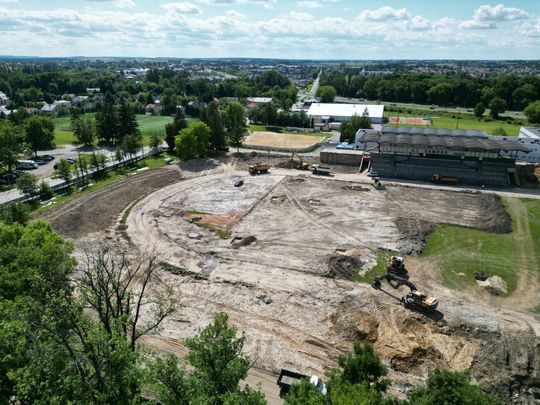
x: 298, y: 162
x: 258, y: 169
x: 438, y: 179
x: 287, y: 378
x: 397, y: 275
x: 322, y: 170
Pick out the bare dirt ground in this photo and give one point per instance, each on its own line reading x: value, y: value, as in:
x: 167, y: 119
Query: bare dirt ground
x: 274, y: 140
x: 272, y: 287
x: 285, y: 229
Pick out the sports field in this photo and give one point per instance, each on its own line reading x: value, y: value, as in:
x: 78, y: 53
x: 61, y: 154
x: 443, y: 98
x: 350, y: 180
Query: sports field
x: 148, y: 125
x: 468, y: 122
x: 282, y: 141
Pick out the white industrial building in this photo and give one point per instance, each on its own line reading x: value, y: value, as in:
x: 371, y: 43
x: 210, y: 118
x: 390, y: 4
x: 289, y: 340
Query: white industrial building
x: 530, y: 137
x: 324, y: 113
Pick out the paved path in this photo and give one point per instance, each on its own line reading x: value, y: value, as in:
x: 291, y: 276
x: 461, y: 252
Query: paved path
x: 15, y: 194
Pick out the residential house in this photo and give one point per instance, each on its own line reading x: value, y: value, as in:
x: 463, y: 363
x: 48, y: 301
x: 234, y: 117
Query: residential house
x: 4, y: 99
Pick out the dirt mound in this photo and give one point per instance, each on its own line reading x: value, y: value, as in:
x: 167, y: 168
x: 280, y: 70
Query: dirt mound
x: 239, y: 241
x: 414, y: 232
x: 352, y: 324
x: 342, y: 266
x: 496, y: 218
x: 214, y: 221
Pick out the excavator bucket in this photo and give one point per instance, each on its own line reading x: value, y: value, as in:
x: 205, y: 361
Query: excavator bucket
x: 376, y: 284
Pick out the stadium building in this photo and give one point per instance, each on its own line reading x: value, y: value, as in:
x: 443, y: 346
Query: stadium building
x: 471, y: 157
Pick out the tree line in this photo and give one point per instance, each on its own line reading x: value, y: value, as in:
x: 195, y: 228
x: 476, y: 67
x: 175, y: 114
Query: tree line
x: 460, y: 90
x: 31, y: 84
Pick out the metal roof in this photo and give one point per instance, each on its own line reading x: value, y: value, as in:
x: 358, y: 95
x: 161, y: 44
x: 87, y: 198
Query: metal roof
x: 345, y: 110
x: 435, y: 131
x: 446, y: 138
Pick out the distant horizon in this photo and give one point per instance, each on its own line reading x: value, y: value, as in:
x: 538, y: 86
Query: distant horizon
x: 74, y: 57
x: 272, y: 29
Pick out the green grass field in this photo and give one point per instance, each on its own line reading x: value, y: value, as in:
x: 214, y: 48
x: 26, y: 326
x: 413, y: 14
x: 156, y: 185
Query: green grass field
x: 459, y: 252
x: 465, y: 122
x: 148, y: 125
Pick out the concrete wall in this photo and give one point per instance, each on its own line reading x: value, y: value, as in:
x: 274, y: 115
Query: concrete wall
x: 467, y: 172
x: 341, y: 158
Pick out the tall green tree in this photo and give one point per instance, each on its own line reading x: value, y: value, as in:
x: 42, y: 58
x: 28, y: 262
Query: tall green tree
x: 533, y: 112
x: 107, y: 120
x: 127, y: 122
x: 11, y: 144
x: 497, y: 106
x: 236, y: 124
x: 28, y: 185
x: 39, y: 133
x: 479, y: 110
x: 218, y: 366
x: 326, y: 93
x: 84, y: 130
x: 193, y: 141
x: 213, y: 117
x: 173, y: 129
x: 348, y: 129
x: 64, y: 170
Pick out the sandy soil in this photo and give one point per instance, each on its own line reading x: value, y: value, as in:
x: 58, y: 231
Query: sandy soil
x: 272, y: 139
x: 293, y: 318
x: 272, y: 288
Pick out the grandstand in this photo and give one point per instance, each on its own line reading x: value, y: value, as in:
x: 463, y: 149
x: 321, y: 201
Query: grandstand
x: 472, y: 157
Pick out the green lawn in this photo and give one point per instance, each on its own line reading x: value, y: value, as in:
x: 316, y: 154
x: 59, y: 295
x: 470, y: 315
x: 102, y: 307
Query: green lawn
x: 148, y: 125
x: 152, y: 162
x: 466, y: 121
x: 459, y: 252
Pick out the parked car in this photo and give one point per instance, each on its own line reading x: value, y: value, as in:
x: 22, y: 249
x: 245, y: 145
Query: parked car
x: 27, y: 165
x: 40, y: 162
x: 47, y: 158
x: 70, y: 160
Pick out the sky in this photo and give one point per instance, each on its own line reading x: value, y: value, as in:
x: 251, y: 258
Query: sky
x: 285, y: 29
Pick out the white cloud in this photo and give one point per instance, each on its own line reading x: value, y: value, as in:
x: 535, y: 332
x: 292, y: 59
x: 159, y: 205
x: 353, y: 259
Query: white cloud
x: 499, y: 13
x: 309, y: 4
x: 301, y: 16
x: 182, y: 8
x: 9, y: 1
x: 385, y: 13
x: 178, y: 29
x: 117, y: 3
x: 265, y: 3
x: 487, y: 17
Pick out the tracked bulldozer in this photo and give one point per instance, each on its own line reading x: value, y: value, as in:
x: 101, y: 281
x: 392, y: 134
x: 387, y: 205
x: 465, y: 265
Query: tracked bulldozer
x: 298, y: 162
x: 397, y: 276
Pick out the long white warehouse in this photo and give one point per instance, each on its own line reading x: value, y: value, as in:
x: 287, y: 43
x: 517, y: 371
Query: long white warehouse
x: 324, y: 113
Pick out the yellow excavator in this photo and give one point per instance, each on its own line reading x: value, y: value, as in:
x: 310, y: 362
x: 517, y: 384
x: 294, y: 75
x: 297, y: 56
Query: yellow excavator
x: 396, y: 275
x: 298, y: 162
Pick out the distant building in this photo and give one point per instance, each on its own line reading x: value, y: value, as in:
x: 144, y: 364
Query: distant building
x: 326, y: 113
x: 254, y: 102
x: 56, y: 108
x: 80, y: 99
x: 4, y: 112
x: 4, y: 99
x: 153, y: 109
x: 418, y: 153
x: 531, y: 138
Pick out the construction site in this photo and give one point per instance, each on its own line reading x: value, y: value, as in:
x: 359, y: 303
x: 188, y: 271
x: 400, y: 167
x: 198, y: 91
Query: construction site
x: 306, y: 262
